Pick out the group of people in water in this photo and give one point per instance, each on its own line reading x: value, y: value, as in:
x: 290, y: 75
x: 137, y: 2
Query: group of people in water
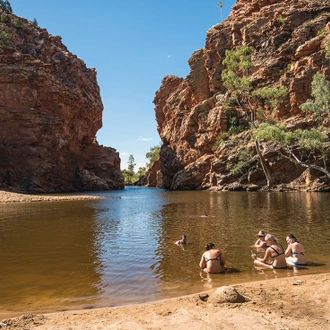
x: 275, y: 257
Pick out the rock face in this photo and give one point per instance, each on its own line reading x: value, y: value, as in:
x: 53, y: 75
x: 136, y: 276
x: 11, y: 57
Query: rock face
x: 50, y: 111
x: 289, y: 37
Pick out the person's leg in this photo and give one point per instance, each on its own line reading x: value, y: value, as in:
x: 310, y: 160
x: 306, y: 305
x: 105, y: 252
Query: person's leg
x: 260, y: 264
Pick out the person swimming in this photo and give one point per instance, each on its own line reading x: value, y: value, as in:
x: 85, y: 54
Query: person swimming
x: 182, y: 240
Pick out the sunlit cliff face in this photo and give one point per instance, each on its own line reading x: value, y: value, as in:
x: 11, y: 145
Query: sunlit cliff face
x: 50, y: 111
x: 194, y: 116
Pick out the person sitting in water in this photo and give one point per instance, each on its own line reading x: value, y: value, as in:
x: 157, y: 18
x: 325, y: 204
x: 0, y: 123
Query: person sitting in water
x: 274, y: 255
x: 212, y: 260
x: 296, y: 250
x: 260, y: 243
x: 182, y: 240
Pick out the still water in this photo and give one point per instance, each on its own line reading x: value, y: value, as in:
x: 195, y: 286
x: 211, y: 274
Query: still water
x: 120, y: 249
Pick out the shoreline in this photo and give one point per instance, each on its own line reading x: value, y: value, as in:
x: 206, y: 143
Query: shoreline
x: 11, y: 197
x: 299, y: 302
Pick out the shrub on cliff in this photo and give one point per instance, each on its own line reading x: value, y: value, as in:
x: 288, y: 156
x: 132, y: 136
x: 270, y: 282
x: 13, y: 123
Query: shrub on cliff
x: 327, y: 49
x: 320, y: 106
x: 307, y: 148
x: 5, y: 36
x: 5, y: 5
x: 256, y: 104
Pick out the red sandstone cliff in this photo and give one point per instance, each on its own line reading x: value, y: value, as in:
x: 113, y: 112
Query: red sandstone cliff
x: 289, y: 37
x: 50, y: 111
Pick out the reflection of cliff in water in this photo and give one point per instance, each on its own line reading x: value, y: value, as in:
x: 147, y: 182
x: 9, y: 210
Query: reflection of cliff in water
x: 48, y: 250
x: 120, y: 249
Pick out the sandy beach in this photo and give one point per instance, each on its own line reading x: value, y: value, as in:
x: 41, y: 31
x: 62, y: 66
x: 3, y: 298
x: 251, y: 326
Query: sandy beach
x: 10, y: 197
x: 300, y: 302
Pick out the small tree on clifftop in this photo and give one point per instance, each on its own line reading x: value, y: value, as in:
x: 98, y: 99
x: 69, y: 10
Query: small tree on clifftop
x: 220, y: 4
x: 5, y: 5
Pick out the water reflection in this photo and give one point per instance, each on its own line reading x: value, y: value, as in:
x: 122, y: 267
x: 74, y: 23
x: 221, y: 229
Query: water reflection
x: 48, y: 256
x: 121, y: 249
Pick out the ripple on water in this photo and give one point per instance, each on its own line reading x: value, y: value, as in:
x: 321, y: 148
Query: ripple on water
x: 120, y: 249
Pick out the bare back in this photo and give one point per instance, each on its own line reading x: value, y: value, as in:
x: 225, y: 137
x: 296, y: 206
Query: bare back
x: 213, y: 261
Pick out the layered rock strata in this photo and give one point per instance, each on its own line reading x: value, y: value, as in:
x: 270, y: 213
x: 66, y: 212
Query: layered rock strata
x: 289, y: 37
x: 50, y: 112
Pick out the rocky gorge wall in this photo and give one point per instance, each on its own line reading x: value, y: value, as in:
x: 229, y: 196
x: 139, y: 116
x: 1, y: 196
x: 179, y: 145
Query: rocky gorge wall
x: 50, y: 112
x: 289, y: 37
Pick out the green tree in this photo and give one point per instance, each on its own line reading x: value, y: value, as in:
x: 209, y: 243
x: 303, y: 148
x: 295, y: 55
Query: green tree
x: 127, y: 176
x: 319, y: 107
x: 131, y: 163
x: 236, y: 78
x: 327, y: 49
x: 5, y: 5
x: 130, y: 168
x: 307, y: 148
x: 256, y: 104
x: 220, y: 4
x: 35, y: 22
x: 141, y: 172
x: 152, y: 155
x: 5, y: 36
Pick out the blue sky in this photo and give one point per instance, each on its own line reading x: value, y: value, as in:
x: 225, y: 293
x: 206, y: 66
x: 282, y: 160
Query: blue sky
x: 132, y: 45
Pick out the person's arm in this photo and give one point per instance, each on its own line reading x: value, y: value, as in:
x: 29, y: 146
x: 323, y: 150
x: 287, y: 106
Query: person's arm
x: 202, y: 263
x: 265, y: 258
x: 288, y: 250
x: 260, y: 243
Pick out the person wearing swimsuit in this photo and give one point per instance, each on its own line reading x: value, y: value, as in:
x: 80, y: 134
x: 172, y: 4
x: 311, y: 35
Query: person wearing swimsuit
x: 296, y: 250
x: 274, y: 256
x: 260, y: 243
x: 212, y: 260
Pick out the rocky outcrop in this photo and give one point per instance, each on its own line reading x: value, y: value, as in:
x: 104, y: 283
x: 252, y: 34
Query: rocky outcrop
x: 153, y: 176
x: 193, y: 119
x: 50, y: 111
